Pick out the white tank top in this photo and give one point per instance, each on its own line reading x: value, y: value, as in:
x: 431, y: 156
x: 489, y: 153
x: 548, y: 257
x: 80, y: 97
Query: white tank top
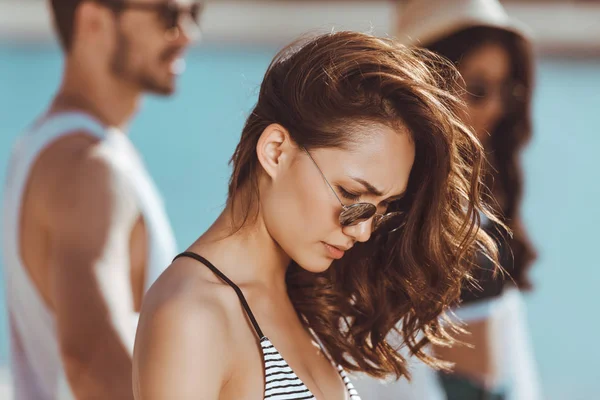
x: 36, y: 364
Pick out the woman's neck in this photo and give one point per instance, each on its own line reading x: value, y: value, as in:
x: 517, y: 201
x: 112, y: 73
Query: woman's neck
x: 247, y: 255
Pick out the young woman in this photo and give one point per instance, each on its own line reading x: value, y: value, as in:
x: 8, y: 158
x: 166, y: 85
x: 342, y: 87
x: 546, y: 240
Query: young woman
x: 354, y: 203
x: 495, y: 60
x: 496, y: 66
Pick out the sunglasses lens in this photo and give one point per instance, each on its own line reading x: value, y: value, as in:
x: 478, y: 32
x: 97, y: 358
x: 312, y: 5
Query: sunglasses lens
x: 512, y: 93
x: 357, y: 213
x: 170, y: 15
x: 477, y: 93
x: 389, y: 222
x: 196, y: 12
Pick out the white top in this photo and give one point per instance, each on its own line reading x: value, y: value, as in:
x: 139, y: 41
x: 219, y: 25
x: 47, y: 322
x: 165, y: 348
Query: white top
x: 511, y: 345
x: 36, y: 364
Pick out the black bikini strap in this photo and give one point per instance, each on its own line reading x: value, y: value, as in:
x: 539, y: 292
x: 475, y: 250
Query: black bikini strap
x: 235, y: 287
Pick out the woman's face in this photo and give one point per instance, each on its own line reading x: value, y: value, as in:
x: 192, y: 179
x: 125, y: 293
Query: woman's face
x: 301, y: 211
x: 487, y: 74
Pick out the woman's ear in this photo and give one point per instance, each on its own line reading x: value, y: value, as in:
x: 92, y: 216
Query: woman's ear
x: 274, y: 147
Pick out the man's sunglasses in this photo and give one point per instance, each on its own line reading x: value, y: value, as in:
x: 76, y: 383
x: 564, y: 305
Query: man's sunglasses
x: 360, y: 212
x: 169, y: 12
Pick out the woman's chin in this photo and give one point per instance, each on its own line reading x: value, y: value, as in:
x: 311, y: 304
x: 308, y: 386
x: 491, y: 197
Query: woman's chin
x: 317, y: 265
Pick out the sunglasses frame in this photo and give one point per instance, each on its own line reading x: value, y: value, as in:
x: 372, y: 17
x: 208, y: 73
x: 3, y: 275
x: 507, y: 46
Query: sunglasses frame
x: 511, y: 93
x: 168, y: 11
x: 346, y: 217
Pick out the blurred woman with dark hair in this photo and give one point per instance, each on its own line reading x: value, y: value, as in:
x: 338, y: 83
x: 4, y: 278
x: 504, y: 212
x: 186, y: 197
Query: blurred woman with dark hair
x: 494, y: 57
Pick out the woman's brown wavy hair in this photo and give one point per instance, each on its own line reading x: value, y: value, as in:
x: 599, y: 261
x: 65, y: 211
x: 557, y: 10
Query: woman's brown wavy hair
x: 507, y: 140
x: 322, y: 91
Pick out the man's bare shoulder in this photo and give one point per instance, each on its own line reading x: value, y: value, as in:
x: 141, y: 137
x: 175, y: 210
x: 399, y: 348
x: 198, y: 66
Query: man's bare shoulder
x: 77, y: 177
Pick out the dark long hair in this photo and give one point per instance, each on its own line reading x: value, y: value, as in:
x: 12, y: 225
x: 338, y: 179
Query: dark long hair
x: 322, y: 91
x: 513, y: 132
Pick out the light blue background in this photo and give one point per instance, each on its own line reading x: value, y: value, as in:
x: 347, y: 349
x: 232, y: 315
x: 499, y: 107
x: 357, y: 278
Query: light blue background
x: 187, y: 140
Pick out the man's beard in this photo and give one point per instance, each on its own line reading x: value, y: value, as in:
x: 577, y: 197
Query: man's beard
x: 120, y: 67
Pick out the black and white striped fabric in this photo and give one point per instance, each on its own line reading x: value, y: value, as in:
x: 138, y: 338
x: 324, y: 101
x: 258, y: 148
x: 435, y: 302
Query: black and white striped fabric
x: 281, y: 381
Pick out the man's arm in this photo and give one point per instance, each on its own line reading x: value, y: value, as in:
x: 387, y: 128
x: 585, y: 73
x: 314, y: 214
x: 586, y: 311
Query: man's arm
x: 91, y: 217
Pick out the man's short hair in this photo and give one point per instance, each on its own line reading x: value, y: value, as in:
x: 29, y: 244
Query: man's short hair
x: 63, y: 12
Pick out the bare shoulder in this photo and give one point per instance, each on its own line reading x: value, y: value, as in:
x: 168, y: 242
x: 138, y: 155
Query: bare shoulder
x: 185, y: 288
x: 81, y: 181
x: 184, y: 336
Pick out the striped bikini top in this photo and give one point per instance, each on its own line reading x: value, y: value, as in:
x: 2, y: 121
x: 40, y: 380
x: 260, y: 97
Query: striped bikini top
x: 281, y: 383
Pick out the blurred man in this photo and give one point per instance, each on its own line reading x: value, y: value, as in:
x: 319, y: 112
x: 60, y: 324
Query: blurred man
x: 85, y: 232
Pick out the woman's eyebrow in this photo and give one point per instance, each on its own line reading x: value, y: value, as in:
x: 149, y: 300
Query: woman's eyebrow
x: 368, y: 187
x: 373, y: 190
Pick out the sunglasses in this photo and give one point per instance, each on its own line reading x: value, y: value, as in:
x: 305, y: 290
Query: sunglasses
x: 360, y: 212
x: 169, y: 12
x: 511, y: 93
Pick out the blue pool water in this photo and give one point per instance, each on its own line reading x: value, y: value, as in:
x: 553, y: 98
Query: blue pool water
x: 187, y: 139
